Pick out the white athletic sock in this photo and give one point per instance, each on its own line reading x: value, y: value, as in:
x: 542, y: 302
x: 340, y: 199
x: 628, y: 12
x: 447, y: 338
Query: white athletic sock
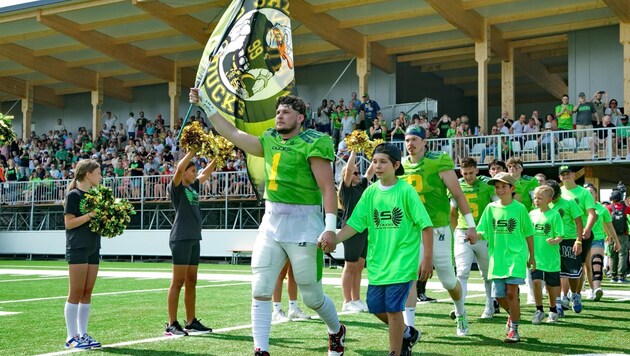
x: 293, y: 305
x: 460, y: 309
x: 328, y: 314
x: 277, y: 307
x: 70, y: 312
x: 83, y: 317
x: 407, y: 333
x: 261, y: 323
x: 489, y: 300
x: 464, y: 283
x: 409, y: 316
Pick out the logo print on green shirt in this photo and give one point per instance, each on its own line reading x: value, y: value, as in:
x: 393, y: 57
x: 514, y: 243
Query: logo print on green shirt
x: 561, y: 212
x: 544, y: 228
x: 504, y: 225
x: 388, y: 218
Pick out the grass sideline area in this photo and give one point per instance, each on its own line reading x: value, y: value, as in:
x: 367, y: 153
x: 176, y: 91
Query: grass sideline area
x: 129, y: 313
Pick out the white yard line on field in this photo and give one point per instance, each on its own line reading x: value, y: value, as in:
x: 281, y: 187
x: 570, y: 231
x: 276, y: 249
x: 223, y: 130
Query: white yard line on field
x: 31, y: 279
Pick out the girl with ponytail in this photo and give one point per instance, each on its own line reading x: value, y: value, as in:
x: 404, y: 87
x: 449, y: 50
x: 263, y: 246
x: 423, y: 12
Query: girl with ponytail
x: 82, y: 254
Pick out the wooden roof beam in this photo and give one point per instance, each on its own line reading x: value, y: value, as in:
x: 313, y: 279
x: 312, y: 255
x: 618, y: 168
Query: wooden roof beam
x: 437, y: 54
x: 132, y: 56
x: 539, y: 41
x: 428, y: 46
x: 380, y: 18
x: 342, y: 4
x: 186, y: 24
x: 41, y: 95
x: 349, y: 40
x: 548, y: 11
x: 538, y: 73
x: 621, y: 8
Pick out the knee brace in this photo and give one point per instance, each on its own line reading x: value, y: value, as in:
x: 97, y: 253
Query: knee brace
x: 597, y: 260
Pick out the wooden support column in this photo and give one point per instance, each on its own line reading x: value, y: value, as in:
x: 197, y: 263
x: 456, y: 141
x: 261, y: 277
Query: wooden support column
x: 482, y: 56
x: 507, y: 85
x: 589, y: 177
x: 364, y: 67
x: 174, y: 92
x: 97, y: 104
x: 624, y: 38
x: 27, y: 111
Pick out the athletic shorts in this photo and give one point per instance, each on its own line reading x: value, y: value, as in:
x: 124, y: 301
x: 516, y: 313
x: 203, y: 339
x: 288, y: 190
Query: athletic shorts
x: 499, y: 286
x: 89, y: 255
x: 185, y: 252
x: 355, y: 247
x: 586, y: 246
x: 570, y: 265
x: 389, y: 298
x: 552, y: 279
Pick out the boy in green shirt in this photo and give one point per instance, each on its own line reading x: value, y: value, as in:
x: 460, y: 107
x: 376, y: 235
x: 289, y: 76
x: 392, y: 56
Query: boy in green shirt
x: 506, y: 225
x: 548, y: 233
x: 394, y: 216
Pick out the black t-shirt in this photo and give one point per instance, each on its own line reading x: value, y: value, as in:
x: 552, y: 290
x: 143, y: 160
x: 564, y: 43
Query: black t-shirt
x: 80, y: 236
x: 134, y: 172
x: 350, y: 197
x: 444, y: 126
x: 11, y: 174
x: 187, y: 223
x: 602, y: 134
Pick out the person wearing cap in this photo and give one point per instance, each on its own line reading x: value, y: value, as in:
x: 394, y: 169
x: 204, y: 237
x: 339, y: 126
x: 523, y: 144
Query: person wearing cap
x: 394, y: 217
x: 298, y: 178
x: 368, y: 110
x: 619, y: 259
x: 585, y: 115
x: 585, y: 201
x: 570, y: 247
x: 432, y: 175
x: 478, y: 194
x: 603, y: 228
x: 507, y: 227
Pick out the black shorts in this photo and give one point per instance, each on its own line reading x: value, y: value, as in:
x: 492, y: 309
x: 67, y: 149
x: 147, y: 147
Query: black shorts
x: 552, y: 279
x: 586, y: 247
x: 185, y: 252
x: 570, y: 265
x: 355, y: 247
x: 89, y: 255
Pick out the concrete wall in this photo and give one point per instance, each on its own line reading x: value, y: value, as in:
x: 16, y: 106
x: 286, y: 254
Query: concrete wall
x: 596, y: 63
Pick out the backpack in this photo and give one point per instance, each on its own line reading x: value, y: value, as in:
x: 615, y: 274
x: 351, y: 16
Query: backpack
x: 619, y: 221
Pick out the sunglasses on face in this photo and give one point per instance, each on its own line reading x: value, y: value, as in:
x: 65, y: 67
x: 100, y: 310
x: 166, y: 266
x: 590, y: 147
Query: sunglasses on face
x: 355, y: 173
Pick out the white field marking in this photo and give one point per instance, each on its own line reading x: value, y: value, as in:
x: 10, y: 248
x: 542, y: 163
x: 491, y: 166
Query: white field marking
x: 215, y: 331
x: 118, y: 293
x: 31, y: 279
x: 2, y: 313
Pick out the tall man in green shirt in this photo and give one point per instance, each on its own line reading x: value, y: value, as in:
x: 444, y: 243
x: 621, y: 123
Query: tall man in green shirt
x: 585, y: 201
x: 298, y: 174
x: 432, y: 175
x: 478, y: 194
x: 564, y: 113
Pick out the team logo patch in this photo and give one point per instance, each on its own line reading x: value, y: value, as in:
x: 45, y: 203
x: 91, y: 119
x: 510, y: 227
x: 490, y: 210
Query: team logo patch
x: 388, y: 219
x: 504, y: 225
x: 561, y: 212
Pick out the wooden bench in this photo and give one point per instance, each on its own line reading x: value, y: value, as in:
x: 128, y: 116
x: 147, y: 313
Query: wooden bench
x: 237, y: 254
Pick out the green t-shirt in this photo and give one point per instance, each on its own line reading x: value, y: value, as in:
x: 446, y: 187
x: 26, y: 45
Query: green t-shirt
x: 394, y: 219
x: 451, y: 133
x: 478, y: 196
x: 336, y: 117
x: 506, y: 229
x: 119, y: 171
x: 547, y: 225
x: 523, y: 187
x: 582, y: 197
x: 425, y: 179
x: 603, y: 216
x: 565, y: 118
x: 288, y: 175
x: 569, y: 211
x: 623, y: 130
x: 61, y: 154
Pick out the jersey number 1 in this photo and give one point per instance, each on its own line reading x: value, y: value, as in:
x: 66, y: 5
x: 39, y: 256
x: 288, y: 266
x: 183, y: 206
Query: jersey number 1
x: 274, y: 172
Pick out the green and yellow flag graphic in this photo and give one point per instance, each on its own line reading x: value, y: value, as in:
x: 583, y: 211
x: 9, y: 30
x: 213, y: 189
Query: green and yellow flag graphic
x: 246, y: 65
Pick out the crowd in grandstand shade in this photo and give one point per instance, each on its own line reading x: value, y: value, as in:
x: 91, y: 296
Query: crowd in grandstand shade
x: 126, y: 151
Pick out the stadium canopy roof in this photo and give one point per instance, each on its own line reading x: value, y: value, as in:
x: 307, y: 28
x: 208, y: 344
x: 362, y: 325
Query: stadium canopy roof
x: 60, y: 47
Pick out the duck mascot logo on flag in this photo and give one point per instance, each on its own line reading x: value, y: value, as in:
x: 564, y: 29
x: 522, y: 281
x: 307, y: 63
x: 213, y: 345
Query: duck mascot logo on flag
x: 247, y: 64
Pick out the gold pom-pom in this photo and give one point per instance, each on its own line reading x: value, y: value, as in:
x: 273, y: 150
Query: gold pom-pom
x: 217, y: 148
x: 370, y: 146
x: 193, y: 137
x: 357, y: 140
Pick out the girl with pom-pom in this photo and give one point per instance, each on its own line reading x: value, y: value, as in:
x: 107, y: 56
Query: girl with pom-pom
x: 82, y: 254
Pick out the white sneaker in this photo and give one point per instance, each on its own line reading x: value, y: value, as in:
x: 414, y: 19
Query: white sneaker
x: 565, y: 303
x: 553, y: 318
x: 463, y: 328
x: 298, y: 314
x: 538, y: 317
x: 590, y: 295
x: 488, y: 313
x: 531, y: 300
x: 279, y: 317
x: 351, y: 307
x: 599, y: 293
x: 359, y: 303
x: 617, y: 158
